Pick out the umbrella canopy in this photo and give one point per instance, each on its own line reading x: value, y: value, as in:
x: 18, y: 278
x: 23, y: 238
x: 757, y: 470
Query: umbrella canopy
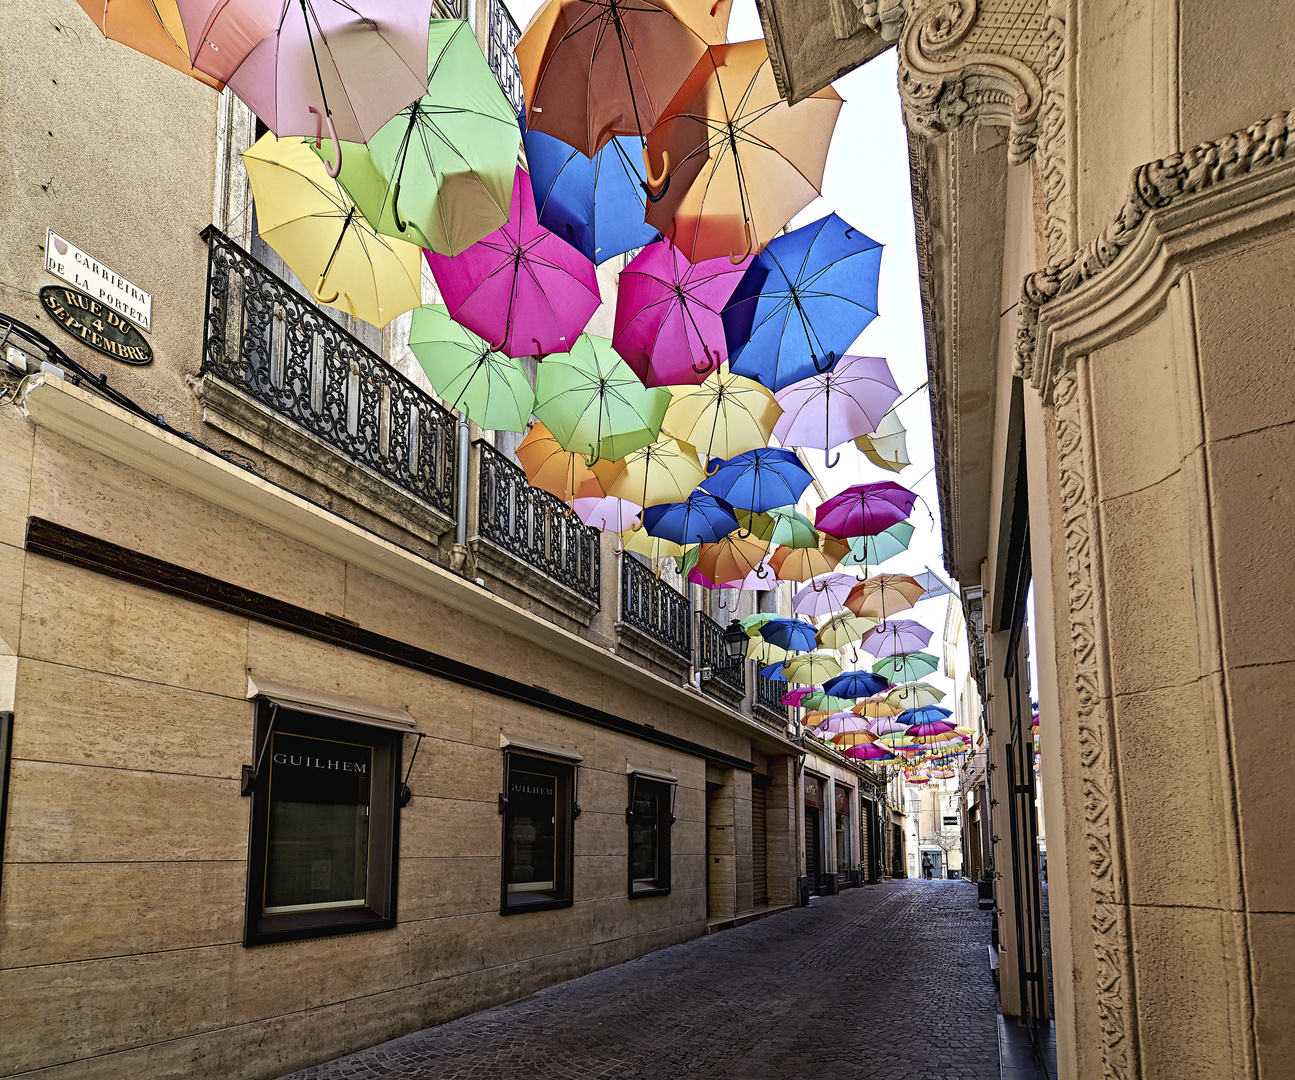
x: 914, y: 696
x: 801, y: 564
x: 895, y: 637
x: 790, y: 634
x: 734, y: 558
x: 760, y: 479
x: 440, y: 172
x: 652, y: 547
x: 868, y: 551
x: 905, y: 667
x: 595, y: 204
x: 843, y: 629
x: 823, y: 595
x: 886, y: 726
x: 741, y: 161
x: 870, y: 752
x: 877, y: 710
x: 855, y: 684
x: 592, y: 69
x: 668, y: 324
x: 772, y: 672
x: 864, y: 509
x: 802, y: 302
x: 795, y: 696
x: 829, y: 409
x: 820, y: 699
x: 926, y: 714
x: 811, y: 669
x: 305, y: 216
x: 887, y: 446
x: 724, y: 416
x: 752, y: 623
x: 884, y: 595
x: 840, y: 721
x: 301, y: 65
x: 606, y: 513
x: 762, y: 652
x: 792, y: 529
x: 591, y: 401
x: 853, y: 738
x: 699, y: 519
x: 664, y: 472
x: 488, y: 387
x: 152, y: 27
x: 520, y: 288
x: 559, y: 472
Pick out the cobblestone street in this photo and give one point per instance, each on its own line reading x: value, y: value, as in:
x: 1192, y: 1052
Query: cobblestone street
x: 885, y: 982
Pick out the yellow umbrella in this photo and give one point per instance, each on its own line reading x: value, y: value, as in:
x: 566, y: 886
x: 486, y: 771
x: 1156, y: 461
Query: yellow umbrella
x: 842, y: 629
x: 811, y: 669
x: 760, y: 525
x: 915, y: 695
x: 152, y: 27
x: 884, y: 594
x: 764, y: 652
x: 724, y: 416
x: 557, y: 471
x: 651, y: 547
x: 667, y: 471
x: 307, y: 218
x: 876, y: 708
x: 887, y: 447
x: 732, y: 558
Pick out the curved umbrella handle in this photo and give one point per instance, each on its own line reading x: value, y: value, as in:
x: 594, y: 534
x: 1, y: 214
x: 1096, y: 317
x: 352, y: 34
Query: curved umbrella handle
x: 744, y: 534
x: 735, y: 259
x: 814, y: 585
x: 834, y: 462
x: 656, y: 185
x: 711, y: 470
x: 761, y: 571
x: 318, y: 291
x: 829, y: 360
x: 618, y: 551
x: 336, y: 167
x: 401, y: 224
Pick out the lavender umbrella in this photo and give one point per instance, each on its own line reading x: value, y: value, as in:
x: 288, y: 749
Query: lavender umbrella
x: 828, y: 409
x: 895, y: 638
x: 521, y: 288
x: 864, y: 509
x: 823, y: 595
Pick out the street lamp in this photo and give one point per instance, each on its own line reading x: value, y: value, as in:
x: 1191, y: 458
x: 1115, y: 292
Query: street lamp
x: 734, y: 639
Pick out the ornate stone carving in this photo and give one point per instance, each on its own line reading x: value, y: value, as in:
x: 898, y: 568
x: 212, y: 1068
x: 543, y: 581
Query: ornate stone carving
x: 1152, y: 186
x: 973, y: 606
x: 885, y: 17
x: 1052, y: 155
x: 1114, y: 977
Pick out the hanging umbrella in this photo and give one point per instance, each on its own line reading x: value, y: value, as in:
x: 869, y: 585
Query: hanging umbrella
x: 305, y: 216
x: 735, y: 557
x: 152, y: 27
x: 699, y: 519
x: 823, y: 595
x: 772, y: 672
x: 886, y: 446
x: 883, y: 595
x: 555, y: 470
x: 668, y: 324
x: 440, y: 172
x: 926, y: 714
x: 665, y: 471
x: 792, y: 529
x: 592, y: 69
x: 653, y: 547
x: 839, y: 721
x: 905, y: 667
x: 606, y: 513
x: 802, y: 302
x: 763, y: 653
x: 757, y: 580
x: 914, y: 695
x: 818, y: 698
x: 796, y: 696
x: 591, y: 401
x: 828, y: 409
x: 868, y: 551
x: 596, y: 205
x: 760, y: 479
x: 886, y: 726
x: 894, y: 637
x: 853, y: 738
x: 520, y: 288
x: 870, y: 752
x: 488, y: 387
x: 752, y: 623
x: 741, y: 161
x: 760, y: 525
x: 790, y: 634
x: 811, y: 669
x: 801, y: 564
x: 724, y: 416
x: 306, y: 64
x: 843, y: 629
x: 855, y: 684
x: 878, y: 711
x: 864, y: 509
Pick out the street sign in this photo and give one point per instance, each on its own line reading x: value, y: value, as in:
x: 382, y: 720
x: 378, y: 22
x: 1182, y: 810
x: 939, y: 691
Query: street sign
x: 96, y: 324
x: 65, y: 260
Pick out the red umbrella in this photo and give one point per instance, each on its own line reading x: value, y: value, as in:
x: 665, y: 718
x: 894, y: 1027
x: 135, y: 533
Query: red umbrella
x: 864, y: 509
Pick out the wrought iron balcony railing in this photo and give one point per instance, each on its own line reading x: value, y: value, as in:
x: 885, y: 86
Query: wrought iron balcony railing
x: 504, y: 36
x: 276, y: 346
x: 454, y: 8
x: 536, y: 527
x: 654, y: 608
x: 711, y: 655
x: 768, y: 693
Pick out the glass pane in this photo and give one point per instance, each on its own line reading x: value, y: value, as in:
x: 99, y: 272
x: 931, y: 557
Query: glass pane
x: 317, y: 854
x: 643, y: 836
x: 842, y: 851
x: 530, y: 832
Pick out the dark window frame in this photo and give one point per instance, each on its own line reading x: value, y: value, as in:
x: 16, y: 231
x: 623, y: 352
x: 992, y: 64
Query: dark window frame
x: 564, y: 774
x: 664, y: 791
x: 260, y: 928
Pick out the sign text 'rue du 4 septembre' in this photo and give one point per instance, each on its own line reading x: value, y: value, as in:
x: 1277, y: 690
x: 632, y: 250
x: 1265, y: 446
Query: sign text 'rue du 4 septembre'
x: 65, y: 260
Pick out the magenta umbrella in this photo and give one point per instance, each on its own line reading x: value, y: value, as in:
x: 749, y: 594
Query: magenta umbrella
x: 864, y: 510
x: 869, y: 752
x: 796, y: 696
x: 828, y: 409
x: 895, y: 637
x: 668, y: 325
x: 930, y: 728
x: 523, y: 289
x: 823, y: 595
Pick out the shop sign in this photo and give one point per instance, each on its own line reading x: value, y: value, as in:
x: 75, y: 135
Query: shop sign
x: 813, y: 791
x: 96, y: 325
x: 65, y: 260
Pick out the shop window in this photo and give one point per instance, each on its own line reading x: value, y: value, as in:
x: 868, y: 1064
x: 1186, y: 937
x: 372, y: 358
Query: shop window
x: 322, y: 850
x: 650, y: 815
x: 538, y: 810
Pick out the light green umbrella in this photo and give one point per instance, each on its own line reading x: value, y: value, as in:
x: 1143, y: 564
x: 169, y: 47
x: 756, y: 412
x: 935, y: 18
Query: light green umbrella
x: 489, y: 387
x: 440, y: 172
x: 868, y: 551
x: 906, y: 667
x: 792, y: 529
x: 594, y: 404
x: 752, y: 623
x: 819, y: 700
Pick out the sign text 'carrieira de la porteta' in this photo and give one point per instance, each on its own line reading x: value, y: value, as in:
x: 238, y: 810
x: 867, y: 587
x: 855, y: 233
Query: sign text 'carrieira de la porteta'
x: 95, y: 324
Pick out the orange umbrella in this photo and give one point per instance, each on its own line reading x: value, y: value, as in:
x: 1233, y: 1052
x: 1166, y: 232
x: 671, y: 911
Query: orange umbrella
x: 555, y: 470
x: 884, y: 594
x: 732, y: 558
x: 801, y: 564
x: 741, y: 160
x: 152, y: 27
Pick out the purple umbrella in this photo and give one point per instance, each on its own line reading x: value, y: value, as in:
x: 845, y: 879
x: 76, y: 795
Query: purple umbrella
x: 864, y: 510
x: 608, y: 513
x: 824, y: 595
x: 828, y: 409
x: 668, y: 326
x: 842, y: 721
x: 895, y: 638
x: 523, y: 289
x: 888, y: 725
x: 869, y: 752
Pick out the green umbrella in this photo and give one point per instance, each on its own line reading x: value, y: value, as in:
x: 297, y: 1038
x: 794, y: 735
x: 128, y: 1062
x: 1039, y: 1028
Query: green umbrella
x: 440, y: 172
x: 594, y: 404
x: 904, y: 667
x: 752, y: 623
x: 820, y: 701
x: 792, y: 528
x: 868, y: 551
x: 490, y: 387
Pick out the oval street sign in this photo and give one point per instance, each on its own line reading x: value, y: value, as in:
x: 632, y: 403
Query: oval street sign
x: 96, y: 324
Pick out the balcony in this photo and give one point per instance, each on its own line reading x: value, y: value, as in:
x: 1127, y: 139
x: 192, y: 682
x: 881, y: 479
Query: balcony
x: 719, y: 677
x: 767, y: 703
x: 504, y: 36
x: 655, y: 624
x: 281, y: 376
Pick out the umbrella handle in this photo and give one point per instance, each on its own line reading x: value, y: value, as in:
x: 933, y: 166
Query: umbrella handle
x: 735, y: 259
x: 707, y: 365
x: 834, y: 462
x: 830, y: 359
x: 318, y: 291
x: 656, y: 185
x: 401, y: 224
x: 711, y: 470
x: 761, y: 571
x: 336, y: 167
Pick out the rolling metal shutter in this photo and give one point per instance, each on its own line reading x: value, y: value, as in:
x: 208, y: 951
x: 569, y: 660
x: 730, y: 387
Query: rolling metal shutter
x: 759, y: 847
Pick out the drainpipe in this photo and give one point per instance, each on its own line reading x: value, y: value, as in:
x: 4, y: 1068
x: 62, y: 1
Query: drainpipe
x: 459, y: 556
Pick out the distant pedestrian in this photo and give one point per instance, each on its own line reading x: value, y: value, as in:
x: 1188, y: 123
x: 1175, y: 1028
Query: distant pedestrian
x: 927, y: 866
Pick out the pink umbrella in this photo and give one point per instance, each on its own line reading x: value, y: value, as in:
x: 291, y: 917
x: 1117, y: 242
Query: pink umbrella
x: 299, y: 64
x: 864, y: 510
x: 823, y: 595
x: 926, y: 730
x: 523, y: 289
x: 668, y: 325
x: 869, y: 752
x: 842, y: 404
x: 796, y: 696
x: 887, y: 725
x: 843, y: 721
x: 895, y: 637
x: 608, y: 513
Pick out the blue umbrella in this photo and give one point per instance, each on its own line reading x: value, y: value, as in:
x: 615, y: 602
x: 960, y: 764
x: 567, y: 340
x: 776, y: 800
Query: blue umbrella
x: 855, y: 684
x: 927, y: 714
x: 597, y: 205
x: 802, y: 302
x: 759, y: 480
x: 699, y: 519
x: 773, y: 672
x: 790, y: 634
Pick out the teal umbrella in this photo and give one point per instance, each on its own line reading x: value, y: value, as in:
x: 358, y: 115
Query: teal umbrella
x: 440, y: 172
x: 906, y: 667
x: 594, y: 404
x: 489, y: 387
x: 874, y: 550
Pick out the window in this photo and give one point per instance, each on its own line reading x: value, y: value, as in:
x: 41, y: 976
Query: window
x: 538, y: 810
x: 324, y: 824
x: 650, y: 815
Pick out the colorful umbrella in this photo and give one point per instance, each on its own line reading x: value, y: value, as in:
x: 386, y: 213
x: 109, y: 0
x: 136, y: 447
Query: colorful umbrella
x: 699, y: 519
x: 895, y: 637
x: 652, y: 547
x: 820, y: 699
x: 310, y: 221
x: 763, y: 653
x: 591, y: 401
x: 843, y: 629
x: 926, y: 714
x: 772, y: 672
x: 884, y: 595
x: 606, y: 513
x: 823, y: 595
x: 668, y: 325
x: 596, y: 205
x: 828, y: 409
x: 152, y: 27
x: 520, y: 288
x: 868, y: 551
x: 724, y: 416
x: 882, y: 716
x: 802, y: 302
x: 792, y: 529
x: 801, y: 564
x: 734, y: 558
x: 790, y: 634
x: 559, y: 472
x: 811, y: 669
x: 887, y: 446
x: 870, y: 752
x: 905, y: 667
x: 760, y: 479
x: 796, y: 696
x: 741, y: 161
x: 666, y: 471
x: 840, y: 721
x: 914, y: 695
x: 752, y: 623
x: 488, y: 387
x: 440, y: 172
x: 864, y: 509
x: 855, y: 684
